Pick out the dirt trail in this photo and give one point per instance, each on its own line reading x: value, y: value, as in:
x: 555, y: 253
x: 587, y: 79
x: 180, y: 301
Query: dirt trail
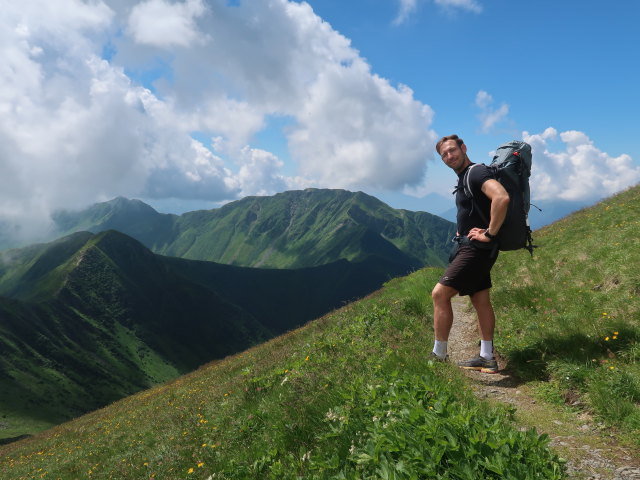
x: 591, y: 452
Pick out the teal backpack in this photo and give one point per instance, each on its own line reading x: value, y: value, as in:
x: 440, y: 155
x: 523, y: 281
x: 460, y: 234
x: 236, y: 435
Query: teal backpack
x: 511, y: 166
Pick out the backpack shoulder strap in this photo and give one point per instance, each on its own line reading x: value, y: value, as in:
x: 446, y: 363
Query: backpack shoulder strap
x: 466, y: 181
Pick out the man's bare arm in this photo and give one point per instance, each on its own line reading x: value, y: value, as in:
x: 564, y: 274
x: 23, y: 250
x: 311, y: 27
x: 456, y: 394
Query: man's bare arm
x: 499, y: 198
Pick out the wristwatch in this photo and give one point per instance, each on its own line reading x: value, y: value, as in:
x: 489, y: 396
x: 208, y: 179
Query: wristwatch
x: 489, y: 235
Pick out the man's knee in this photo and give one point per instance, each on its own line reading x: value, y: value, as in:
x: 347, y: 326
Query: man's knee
x: 442, y: 293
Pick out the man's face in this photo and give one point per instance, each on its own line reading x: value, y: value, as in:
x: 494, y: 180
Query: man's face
x: 453, y: 156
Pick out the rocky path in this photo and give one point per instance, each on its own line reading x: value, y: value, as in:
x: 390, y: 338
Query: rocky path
x: 591, y: 453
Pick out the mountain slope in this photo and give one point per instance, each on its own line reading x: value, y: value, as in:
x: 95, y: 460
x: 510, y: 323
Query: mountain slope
x: 93, y: 318
x: 104, y: 318
x: 352, y: 395
x: 288, y: 230
x: 571, y: 313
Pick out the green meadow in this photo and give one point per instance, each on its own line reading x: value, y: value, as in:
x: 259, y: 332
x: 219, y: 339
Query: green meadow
x: 353, y: 395
x: 570, y: 316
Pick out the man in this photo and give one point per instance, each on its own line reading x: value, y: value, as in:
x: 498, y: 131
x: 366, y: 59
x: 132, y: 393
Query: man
x: 469, y: 269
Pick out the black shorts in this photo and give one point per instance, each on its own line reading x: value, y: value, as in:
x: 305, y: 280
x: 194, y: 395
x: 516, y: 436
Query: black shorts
x: 470, y: 270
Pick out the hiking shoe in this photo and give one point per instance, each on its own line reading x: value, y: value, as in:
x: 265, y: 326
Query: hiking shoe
x: 481, y: 364
x: 435, y: 358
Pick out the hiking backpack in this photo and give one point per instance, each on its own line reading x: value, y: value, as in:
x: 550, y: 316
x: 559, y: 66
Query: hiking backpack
x: 511, y: 166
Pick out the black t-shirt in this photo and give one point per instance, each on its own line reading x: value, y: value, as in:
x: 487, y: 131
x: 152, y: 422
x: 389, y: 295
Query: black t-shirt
x: 468, y: 216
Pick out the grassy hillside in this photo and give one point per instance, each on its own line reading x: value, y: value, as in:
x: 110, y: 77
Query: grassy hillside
x: 351, y: 395
x: 103, y: 318
x: 93, y: 318
x: 570, y: 316
x: 292, y: 229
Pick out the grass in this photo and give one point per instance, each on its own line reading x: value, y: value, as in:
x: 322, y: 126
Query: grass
x: 570, y: 316
x: 354, y: 396
x: 351, y: 395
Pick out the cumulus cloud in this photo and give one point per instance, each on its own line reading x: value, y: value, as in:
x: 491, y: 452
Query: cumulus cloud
x: 578, y: 170
x: 104, y: 98
x: 260, y: 173
x: 354, y: 123
x: 164, y: 24
x: 489, y: 116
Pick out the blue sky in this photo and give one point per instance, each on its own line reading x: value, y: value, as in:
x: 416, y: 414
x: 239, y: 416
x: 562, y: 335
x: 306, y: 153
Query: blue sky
x: 570, y: 65
x: 189, y: 104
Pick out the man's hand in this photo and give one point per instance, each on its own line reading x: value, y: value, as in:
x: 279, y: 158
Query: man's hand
x: 478, y: 235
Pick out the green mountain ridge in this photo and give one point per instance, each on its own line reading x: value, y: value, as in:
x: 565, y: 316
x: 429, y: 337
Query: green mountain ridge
x: 90, y: 318
x: 292, y: 229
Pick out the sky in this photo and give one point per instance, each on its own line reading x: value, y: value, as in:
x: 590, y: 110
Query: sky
x: 190, y: 104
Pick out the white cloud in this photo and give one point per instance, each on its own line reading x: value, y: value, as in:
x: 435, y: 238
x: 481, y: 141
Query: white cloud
x: 260, y: 172
x: 359, y: 132
x: 489, y: 117
x: 483, y: 99
x: 188, y: 170
x: 469, y: 5
x: 279, y: 58
x: 579, y: 170
x: 407, y: 7
x: 163, y: 24
x: 76, y: 128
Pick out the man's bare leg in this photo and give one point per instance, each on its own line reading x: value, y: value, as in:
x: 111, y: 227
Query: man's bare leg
x: 442, y: 317
x: 486, y: 317
x: 486, y: 321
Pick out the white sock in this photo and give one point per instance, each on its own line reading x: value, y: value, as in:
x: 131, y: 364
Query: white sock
x: 486, y: 349
x: 440, y: 348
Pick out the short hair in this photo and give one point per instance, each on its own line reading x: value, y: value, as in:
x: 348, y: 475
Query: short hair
x: 458, y: 140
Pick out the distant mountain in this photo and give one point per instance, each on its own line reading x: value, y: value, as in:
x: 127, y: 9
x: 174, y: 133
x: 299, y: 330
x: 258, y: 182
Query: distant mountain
x: 90, y: 318
x: 548, y: 211
x: 450, y: 214
x: 132, y: 217
x: 289, y: 230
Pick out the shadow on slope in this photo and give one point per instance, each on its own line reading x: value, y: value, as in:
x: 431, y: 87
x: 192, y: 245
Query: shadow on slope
x: 98, y: 317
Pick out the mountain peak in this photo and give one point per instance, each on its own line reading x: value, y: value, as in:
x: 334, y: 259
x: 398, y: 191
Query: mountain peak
x: 124, y: 203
